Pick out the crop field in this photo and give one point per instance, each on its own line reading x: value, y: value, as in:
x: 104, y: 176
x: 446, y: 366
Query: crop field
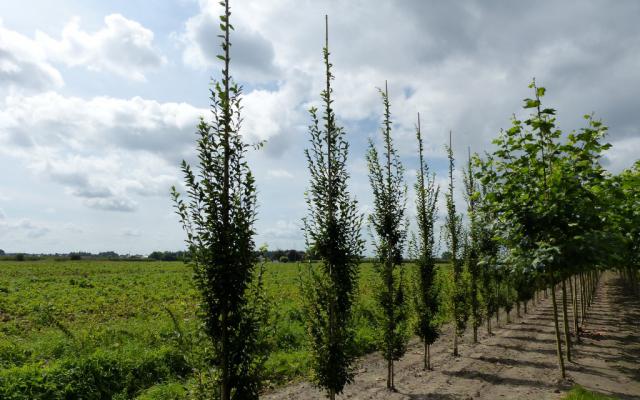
x: 106, y: 328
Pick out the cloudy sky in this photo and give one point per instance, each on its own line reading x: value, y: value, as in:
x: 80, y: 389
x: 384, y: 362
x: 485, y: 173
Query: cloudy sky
x: 99, y: 100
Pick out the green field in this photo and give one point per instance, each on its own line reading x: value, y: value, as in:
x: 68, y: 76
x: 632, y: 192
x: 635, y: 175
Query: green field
x: 104, y: 329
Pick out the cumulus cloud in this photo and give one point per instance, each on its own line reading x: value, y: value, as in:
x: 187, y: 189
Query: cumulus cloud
x: 24, y: 64
x: 122, y: 46
x: 465, y: 66
x: 103, y: 150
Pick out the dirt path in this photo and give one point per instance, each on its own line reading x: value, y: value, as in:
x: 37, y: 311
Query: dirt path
x: 517, y: 362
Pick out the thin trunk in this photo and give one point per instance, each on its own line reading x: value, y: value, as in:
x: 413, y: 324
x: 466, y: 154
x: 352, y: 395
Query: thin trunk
x: 455, y: 339
x: 498, y: 317
x: 565, y: 317
x: 525, y: 307
x: 393, y: 374
x: 574, y: 301
x: 555, y: 323
x: 428, y: 356
x: 518, y: 310
x: 475, y: 332
x: 332, y: 394
x: 389, y: 373
x: 225, y: 390
x: 489, y: 324
x: 582, y: 300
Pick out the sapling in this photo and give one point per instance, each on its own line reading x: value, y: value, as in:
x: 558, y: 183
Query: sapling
x: 389, y: 226
x: 332, y: 233
x: 426, y: 297
x: 218, y: 215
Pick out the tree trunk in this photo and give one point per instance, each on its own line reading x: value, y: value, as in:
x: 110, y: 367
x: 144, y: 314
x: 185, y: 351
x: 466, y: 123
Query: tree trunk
x: 427, y: 356
x: 489, y: 324
x: 555, y: 323
x: 475, y: 332
x: 565, y: 318
x: 455, y: 338
x: 393, y: 375
x: 332, y: 394
x: 583, y: 295
x: 225, y: 390
x: 525, y: 307
x: 574, y: 301
x: 498, y: 317
x: 389, y: 373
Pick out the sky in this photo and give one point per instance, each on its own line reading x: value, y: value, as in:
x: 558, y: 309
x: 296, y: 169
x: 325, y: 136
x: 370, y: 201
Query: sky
x: 99, y: 101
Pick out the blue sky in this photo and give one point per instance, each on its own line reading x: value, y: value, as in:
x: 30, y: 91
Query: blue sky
x: 99, y: 100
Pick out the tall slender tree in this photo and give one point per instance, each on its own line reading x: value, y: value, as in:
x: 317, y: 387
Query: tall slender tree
x: 426, y: 297
x: 218, y: 217
x: 472, y: 252
x: 454, y: 235
x: 332, y: 230
x: 390, y: 228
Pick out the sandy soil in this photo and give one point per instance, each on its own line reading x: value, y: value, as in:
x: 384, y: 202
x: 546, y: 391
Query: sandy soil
x: 517, y: 362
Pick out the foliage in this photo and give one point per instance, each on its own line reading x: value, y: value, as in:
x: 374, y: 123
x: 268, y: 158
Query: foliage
x: 543, y: 188
x: 332, y: 230
x: 425, y: 297
x: 390, y: 228
x: 454, y: 235
x: 218, y: 219
x: 472, y: 250
x: 580, y: 393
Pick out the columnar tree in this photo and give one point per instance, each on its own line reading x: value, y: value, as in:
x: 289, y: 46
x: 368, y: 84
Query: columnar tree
x: 426, y: 297
x: 390, y: 228
x: 332, y: 230
x: 472, y: 250
x: 218, y: 215
x: 454, y: 236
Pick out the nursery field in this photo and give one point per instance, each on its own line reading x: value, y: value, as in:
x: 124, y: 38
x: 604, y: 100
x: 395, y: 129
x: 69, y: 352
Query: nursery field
x: 123, y: 329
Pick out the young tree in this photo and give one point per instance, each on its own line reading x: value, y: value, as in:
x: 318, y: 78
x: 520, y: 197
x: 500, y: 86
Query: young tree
x: 472, y: 250
x: 426, y: 297
x: 454, y: 235
x: 488, y: 246
x: 218, y: 217
x: 332, y: 233
x: 545, y: 191
x: 390, y: 228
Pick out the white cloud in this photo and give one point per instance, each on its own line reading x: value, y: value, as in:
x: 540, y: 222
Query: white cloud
x: 282, y: 229
x: 279, y: 174
x: 24, y: 64
x: 103, y: 150
x: 122, y: 46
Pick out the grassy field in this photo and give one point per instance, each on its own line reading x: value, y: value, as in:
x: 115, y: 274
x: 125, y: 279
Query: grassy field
x: 122, y: 329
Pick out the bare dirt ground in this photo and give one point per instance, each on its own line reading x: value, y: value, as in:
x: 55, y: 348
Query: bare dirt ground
x: 517, y: 362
